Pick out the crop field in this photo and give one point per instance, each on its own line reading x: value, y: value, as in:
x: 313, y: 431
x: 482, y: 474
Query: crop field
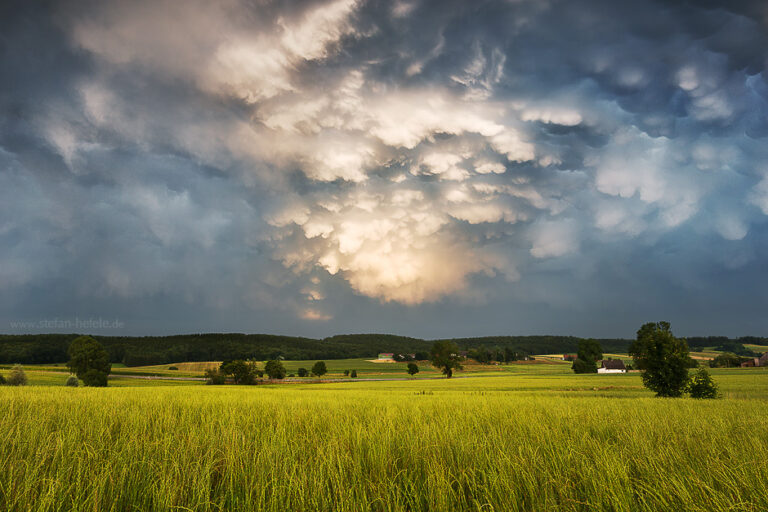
x: 519, y: 440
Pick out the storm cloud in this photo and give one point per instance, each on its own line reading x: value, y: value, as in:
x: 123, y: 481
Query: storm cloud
x: 425, y: 168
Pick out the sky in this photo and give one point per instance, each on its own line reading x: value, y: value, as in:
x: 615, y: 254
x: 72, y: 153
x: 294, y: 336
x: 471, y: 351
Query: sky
x: 433, y: 169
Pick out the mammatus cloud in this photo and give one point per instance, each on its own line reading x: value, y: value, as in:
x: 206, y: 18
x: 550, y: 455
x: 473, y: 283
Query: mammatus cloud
x: 414, y: 152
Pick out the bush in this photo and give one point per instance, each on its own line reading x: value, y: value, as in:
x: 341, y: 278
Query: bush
x: 172, y: 368
x: 346, y: 373
x: 701, y: 385
x: 17, y: 377
x: 72, y: 381
x: 303, y: 372
x: 2, y: 380
x: 582, y: 366
x: 215, y: 377
x: 95, y: 378
x: 353, y: 374
x: 291, y: 375
x: 413, y: 369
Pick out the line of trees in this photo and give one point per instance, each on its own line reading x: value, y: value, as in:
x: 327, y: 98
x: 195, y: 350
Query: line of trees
x: 155, y: 350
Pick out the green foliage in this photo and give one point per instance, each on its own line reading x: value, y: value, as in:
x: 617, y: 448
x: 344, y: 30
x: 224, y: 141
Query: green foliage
x: 17, y: 377
x: 274, y: 369
x: 215, y: 377
x: 353, y: 374
x: 158, y: 350
x: 2, y: 380
x: 94, y: 378
x: 662, y: 358
x: 582, y: 366
x: 242, y: 372
x: 726, y: 360
x: 346, y: 373
x: 413, y: 368
x: 303, y: 372
x: 701, y: 385
x: 445, y: 355
x: 319, y: 369
x: 72, y: 382
x: 173, y: 367
x: 89, y: 361
x: 589, y: 350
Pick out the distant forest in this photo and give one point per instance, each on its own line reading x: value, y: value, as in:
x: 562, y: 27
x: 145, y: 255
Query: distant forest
x: 150, y: 350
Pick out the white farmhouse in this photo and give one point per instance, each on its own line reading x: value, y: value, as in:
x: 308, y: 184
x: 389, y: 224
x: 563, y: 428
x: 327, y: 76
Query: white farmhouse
x: 612, y: 366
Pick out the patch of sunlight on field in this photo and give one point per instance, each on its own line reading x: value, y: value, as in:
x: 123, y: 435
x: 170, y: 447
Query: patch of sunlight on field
x: 512, y: 442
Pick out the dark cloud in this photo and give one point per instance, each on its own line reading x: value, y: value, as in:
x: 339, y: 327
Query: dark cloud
x: 426, y: 168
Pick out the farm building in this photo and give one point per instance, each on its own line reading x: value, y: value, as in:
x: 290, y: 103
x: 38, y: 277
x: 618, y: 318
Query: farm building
x: 612, y: 366
x: 386, y: 356
x: 757, y: 361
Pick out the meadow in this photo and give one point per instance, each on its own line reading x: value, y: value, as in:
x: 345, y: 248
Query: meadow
x: 514, y: 440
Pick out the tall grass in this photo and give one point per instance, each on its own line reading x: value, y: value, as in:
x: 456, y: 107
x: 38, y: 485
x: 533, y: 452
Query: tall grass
x: 473, y: 444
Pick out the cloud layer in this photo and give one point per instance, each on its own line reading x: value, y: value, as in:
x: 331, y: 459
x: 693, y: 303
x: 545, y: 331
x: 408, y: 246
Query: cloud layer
x: 295, y: 162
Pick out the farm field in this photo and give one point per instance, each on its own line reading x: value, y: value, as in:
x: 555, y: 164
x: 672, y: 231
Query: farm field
x: 519, y: 440
x: 56, y: 374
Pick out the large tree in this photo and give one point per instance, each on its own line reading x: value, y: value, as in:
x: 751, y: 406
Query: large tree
x: 275, y: 369
x: 662, y: 358
x: 89, y: 361
x: 445, y: 355
x: 319, y: 369
x: 242, y: 372
x: 588, y: 354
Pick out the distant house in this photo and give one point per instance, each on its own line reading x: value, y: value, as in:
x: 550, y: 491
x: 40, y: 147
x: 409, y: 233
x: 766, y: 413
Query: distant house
x: 757, y: 361
x: 386, y: 356
x: 612, y: 366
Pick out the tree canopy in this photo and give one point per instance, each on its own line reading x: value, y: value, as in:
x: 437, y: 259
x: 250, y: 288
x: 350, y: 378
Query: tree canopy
x: 319, y: 369
x: 275, y: 369
x: 89, y: 361
x: 586, y: 359
x: 662, y: 358
x: 446, y: 356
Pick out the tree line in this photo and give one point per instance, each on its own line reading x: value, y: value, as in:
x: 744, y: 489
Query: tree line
x: 153, y: 350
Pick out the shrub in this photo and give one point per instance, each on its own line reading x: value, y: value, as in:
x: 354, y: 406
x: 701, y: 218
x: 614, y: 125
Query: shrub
x: 215, y: 377
x: 72, y: 381
x: 413, y: 369
x: 353, y: 374
x: 303, y: 372
x: 17, y: 377
x: 2, y: 380
x: 701, y: 385
x: 95, y: 378
x: 172, y: 368
x: 346, y: 373
x: 291, y: 375
x: 583, y: 366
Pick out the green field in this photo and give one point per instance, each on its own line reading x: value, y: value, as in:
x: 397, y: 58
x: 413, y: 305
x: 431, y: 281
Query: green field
x: 517, y: 439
